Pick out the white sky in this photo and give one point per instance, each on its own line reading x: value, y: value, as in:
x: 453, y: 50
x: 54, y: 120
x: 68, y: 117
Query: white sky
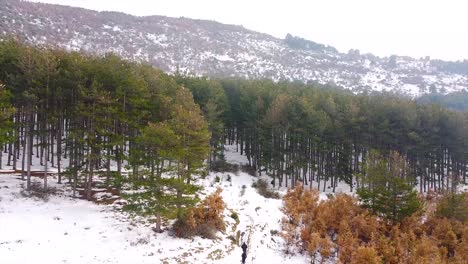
x: 437, y: 28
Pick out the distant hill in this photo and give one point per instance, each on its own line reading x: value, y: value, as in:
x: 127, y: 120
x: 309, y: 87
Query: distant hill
x: 201, y: 47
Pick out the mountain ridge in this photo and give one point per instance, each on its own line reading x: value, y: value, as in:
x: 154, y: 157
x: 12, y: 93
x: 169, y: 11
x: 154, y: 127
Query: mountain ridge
x: 209, y: 48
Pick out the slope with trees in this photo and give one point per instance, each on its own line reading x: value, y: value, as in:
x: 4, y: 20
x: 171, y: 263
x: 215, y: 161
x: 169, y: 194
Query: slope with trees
x: 92, y: 116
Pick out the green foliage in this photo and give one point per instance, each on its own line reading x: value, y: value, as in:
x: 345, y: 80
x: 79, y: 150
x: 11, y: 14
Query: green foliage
x: 6, y: 112
x: 156, y: 143
x: 187, y: 122
x: 105, y: 110
x: 160, y: 197
x: 454, y: 206
x: 154, y: 196
x: 287, y: 128
x: 211, y: 98
x: 456, y: 100
x: 117, y: 179
x: 235, y: 216
x: 300, y: 43
x: 384, y: 189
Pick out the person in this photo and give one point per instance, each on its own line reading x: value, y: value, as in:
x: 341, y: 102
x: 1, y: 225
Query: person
x: 244, y: 252
x: 244, y: 247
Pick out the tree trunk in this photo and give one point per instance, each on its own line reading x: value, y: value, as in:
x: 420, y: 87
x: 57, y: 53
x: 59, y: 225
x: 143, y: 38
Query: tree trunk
x: 158, y: 223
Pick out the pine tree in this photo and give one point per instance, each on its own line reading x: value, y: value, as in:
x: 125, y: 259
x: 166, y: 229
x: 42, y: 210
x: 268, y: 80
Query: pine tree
x: 155, y: 193
x: 453, y: 206
x: 153, y: 197
x: 385, y: 190
x: 94, y: 108
x: 192, y: 130
x: 6, y: 122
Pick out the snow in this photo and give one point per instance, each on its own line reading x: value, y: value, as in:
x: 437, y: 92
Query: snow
x: 259, y: 218
x: 158, y: 39
x: 462, y: 188
x: 36, y: 21
x: 233, y: 156
x: 68, y: 230
x: 410, y: 89
x: 247, y: 57
x: 62, y: 229
x: 219, y: 57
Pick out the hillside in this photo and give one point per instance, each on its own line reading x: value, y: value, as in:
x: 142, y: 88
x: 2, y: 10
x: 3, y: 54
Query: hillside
x: 213, y: 49
x: 151, y: 149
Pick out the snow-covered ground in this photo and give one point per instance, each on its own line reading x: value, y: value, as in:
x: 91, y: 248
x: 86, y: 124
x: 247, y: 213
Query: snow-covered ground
x: 62, y: 229
x: 67, y: 230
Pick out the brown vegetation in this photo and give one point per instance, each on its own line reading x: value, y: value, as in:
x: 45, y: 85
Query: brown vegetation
x: 203, y: 220
x: 339, y: 229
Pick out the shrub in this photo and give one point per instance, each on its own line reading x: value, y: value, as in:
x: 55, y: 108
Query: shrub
x: 223, y: 166
x: 264, y: 190
x: 248, y: 169
x: 185, y: 226
x: 235, y: 216
x: 206, y: 230
x: 204, y: 220
x: 453, y: 206
x: 37, y: 191
x: 117, y: 180
x: 340, y: 230
x: 365, y: 255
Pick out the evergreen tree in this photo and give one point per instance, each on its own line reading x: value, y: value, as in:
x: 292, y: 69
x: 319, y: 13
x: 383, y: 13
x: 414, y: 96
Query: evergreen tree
x: 385, y: 190
x: 6, y: 122
x: 454, y: 206
x: 192, y: 130
x: 155, y: 193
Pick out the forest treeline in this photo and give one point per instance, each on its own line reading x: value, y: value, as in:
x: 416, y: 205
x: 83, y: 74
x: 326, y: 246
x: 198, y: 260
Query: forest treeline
x: 91, y: 116
x: 312, y: 133
x: 90, y: 113
x: 456, y: 100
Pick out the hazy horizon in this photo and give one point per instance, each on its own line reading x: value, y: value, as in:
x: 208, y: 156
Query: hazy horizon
x: 438, y: 29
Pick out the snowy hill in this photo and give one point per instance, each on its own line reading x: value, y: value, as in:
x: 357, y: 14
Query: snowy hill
x: 213, y: 49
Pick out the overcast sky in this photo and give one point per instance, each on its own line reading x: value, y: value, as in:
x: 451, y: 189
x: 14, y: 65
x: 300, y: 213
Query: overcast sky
x: 437, y: 28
